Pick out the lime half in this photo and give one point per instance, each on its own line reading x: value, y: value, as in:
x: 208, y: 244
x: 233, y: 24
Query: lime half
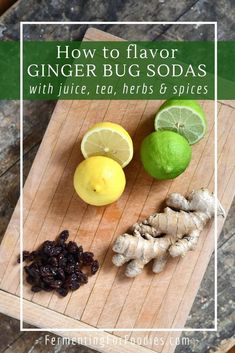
x: 185, y: 117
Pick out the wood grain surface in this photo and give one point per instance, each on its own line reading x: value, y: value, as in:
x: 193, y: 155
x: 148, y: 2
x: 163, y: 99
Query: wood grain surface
x: 110, y: 300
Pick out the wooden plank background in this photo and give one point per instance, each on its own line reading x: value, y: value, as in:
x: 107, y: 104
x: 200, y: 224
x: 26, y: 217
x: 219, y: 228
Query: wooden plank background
x: 50, y: 205
x: 5, y: 4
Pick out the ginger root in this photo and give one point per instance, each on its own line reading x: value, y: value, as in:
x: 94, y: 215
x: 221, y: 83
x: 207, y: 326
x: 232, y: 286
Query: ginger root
x: 173, y: 232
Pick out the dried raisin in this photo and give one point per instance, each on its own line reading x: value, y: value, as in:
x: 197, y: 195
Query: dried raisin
x: 57, y: 265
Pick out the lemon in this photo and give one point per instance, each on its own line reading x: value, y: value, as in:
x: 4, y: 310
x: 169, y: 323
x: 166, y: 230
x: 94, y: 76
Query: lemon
x: 109, y: 140
x: 165, y: 154
x: 99, y: 180
x: 185, y: 117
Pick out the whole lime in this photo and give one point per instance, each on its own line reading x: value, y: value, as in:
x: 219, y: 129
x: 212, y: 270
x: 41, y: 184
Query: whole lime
x: 165, y: 154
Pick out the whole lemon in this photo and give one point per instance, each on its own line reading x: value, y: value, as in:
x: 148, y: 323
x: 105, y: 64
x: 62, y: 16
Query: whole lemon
x: 99, y: 180
x: 165, y: 154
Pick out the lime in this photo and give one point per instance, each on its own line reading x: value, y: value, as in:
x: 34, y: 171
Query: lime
x: 110, y: 140
x: 165, y: 154
x: 183, y: 116
x: 99, y: 180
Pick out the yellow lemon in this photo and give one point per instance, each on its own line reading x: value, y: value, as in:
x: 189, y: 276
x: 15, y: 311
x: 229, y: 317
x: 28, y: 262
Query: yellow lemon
x: 99, y: 180
x: 109, y: 140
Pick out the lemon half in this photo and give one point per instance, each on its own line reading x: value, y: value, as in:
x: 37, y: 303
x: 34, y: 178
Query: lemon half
x: 109, y: 140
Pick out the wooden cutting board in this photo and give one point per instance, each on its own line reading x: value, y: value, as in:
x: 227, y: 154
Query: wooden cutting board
x: 110, y: 300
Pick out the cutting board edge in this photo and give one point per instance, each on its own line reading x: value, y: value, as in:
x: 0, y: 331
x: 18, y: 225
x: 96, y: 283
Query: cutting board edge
x: 36, y: 312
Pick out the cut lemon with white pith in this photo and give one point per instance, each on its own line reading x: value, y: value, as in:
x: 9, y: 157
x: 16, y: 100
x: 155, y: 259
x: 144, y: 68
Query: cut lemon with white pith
x: 185, y: 117
x: 109, y: 140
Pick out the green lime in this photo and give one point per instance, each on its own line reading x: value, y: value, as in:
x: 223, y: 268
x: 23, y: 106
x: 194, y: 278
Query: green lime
x: 183, y: 116
x: 165, y: 154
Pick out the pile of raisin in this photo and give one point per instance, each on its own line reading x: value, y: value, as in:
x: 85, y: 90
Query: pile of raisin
x: 58, y: 265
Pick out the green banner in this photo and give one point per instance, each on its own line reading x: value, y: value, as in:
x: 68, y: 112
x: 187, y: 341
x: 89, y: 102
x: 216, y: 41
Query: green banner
x: 9, y: 70
x: 117, y: 70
